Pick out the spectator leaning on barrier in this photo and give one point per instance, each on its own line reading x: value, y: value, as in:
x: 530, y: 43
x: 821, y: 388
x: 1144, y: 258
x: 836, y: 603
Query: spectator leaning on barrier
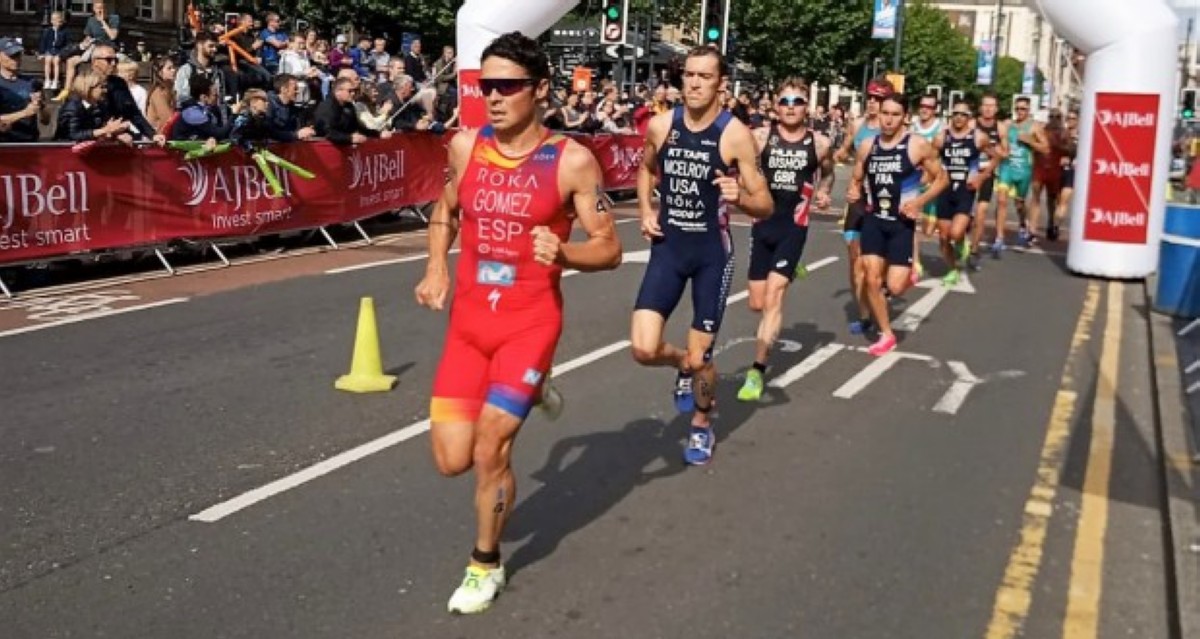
x: 160, y: 104
x: 282, y: 113
x: 119, y: 101
x: 21, y: 107
x: 200, y: 62
x: 101, y: 29
x: 372, y: 113
x: 85, y: 117
x: 202, y: 117
x: 337, y: 120
x: 252, y: 125
x: 51, y: 47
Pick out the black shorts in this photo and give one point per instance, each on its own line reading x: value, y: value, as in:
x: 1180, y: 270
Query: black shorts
x: 670, y: 268
x: 956, y: 200
x: 890, y: 239
x: 852, y: 221
x: 984, y: 194
x: 777, y: 248
x: 1068, y: 178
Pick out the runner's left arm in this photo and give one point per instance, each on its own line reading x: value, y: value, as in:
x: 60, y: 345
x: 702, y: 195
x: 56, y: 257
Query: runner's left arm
x: 1038, y: 139
x: 582, y: 181
x: 748, y: 190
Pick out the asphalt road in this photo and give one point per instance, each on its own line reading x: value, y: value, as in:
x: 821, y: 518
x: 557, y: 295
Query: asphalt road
x: 996, y: 480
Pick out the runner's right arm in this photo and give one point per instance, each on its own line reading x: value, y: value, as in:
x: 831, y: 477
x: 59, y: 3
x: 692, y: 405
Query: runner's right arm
x: 854, y: 190
x: 443, y: 225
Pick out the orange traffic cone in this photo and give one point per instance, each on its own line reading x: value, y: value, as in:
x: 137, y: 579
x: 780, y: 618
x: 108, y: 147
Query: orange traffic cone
x: 366, y: 368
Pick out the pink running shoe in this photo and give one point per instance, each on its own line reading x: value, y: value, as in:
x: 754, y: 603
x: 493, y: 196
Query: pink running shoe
x: 882, y: 346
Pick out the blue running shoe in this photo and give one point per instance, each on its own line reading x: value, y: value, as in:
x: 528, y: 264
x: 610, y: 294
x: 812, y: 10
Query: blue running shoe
x: 700, y: 444
x: 860, y: 327
x: 685, y: 401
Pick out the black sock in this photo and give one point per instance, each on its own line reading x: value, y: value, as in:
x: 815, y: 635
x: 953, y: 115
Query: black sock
x: 487, y: 558
x: 762, y: 368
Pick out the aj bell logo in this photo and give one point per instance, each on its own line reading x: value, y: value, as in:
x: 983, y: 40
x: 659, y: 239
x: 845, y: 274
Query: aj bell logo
x: 233, y: 185
x: 627, y: 159
x: 30, y: 195
x: 1107, y: 117
x: 373, y: 169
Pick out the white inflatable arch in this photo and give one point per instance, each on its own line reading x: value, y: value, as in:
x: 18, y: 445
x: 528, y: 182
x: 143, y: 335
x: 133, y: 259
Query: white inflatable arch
x: 480, y: 22
x: 1126, y: 122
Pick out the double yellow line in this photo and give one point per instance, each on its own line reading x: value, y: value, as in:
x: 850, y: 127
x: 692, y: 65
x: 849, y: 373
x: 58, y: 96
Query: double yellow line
x: 1015, y: 595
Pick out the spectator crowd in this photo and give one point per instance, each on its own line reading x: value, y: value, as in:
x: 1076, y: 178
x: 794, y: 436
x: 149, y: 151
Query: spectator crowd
x: 249, y: 81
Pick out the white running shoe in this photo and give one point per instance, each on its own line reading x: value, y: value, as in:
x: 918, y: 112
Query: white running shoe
x: 480, y: 587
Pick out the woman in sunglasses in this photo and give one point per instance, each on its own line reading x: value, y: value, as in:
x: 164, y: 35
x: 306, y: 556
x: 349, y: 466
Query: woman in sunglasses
x: 792, y: 156
x: 514, y: 188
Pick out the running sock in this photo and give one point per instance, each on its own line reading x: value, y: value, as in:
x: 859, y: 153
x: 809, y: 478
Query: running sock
x: 762, y: 368
x: 491, y: 558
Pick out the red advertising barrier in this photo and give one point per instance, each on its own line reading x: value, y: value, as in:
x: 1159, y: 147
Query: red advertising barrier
x: 57, y: 202
x: 1122, y: 171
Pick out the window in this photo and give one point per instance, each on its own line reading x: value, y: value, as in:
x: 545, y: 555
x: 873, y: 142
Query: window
x: 81, y: 6
x: 146, y: 9
x: 24, y: 6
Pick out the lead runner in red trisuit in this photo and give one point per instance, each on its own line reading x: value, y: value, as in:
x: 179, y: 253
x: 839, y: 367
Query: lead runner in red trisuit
x: 514, y: 189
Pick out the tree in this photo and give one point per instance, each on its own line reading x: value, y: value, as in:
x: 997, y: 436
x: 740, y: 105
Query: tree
x: 822, y: 40
x: 433, y: 19
x: 1010, y: 75
x: 934, y: 52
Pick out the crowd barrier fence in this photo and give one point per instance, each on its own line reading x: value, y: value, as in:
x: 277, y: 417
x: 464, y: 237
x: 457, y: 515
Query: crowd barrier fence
x: 61, y: 200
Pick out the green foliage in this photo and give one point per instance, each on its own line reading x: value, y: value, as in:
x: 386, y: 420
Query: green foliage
x: 433, y: 19
x: 821, y: 40
x: 934, y: 52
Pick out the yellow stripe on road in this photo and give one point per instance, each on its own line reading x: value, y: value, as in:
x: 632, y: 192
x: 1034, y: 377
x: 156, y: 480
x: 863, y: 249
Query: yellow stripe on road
x: 1015, y: 595
x: 1087, y: 565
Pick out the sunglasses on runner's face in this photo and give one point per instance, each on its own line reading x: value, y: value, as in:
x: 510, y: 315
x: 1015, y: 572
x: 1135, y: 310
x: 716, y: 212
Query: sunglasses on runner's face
x: 504, y: 86
x: 963, y: 114
x: 792, y: 100
x: 928, y: 106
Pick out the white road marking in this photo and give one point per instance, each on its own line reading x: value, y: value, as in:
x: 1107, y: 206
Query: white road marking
x: 810, y: 364
x: 91, y: 316
x: 963, y: 286
x: 588, y: 358
x: 868, y: 374
x: 910, y: 320
x: 398, y: 260
x: 902, y: 355
x: 822, y: 263
x: 958, y: 391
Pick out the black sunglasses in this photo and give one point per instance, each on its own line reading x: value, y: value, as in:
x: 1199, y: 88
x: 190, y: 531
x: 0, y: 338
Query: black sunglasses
x: 792, y: 100
x: 928, y: 106
x: 504, y: 86
x: 965, y: 114
x: 110, y: 58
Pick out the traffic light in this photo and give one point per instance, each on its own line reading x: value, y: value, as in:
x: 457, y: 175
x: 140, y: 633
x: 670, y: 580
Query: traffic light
x: 714, y: 18
x: 1187, y: 109
x: 935, y: 90
x: 955, y: 96
x: 614, y: 17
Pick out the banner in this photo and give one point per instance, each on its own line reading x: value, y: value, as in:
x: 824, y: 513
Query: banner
x: 57, y: 202
x: 985, y: 64
x: 1027, y: 78
x: 1121, y: 172
x: 884, y: 25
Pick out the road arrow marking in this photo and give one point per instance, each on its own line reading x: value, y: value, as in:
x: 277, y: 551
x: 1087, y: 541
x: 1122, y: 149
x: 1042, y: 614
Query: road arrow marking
x: 868, y: 374
x: 958, y: 391
x: 810, y: 364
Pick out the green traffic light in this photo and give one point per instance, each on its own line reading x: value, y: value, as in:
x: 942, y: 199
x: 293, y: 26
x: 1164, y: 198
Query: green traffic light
x: 713, y: 33
x: 614, y: 12
x: 1188, y: 113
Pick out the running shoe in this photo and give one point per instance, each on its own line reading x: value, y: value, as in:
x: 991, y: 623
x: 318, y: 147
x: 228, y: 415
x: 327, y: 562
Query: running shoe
x: 997, y: 248
x: 916, y: 273
x: 1052, y: 233
x: 964, y: 251
x: 884, y: 345
x: 479, y: 588
x: 752, y: 390
x: 801, y: 271
x: 860, y: 327
x: 949, y: 280
x: 700, y: 444
x: 1023, y: 237
x: 552, y: 402
x: 685, y: 401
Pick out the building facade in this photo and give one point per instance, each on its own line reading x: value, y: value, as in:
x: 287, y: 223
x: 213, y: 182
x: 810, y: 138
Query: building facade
x: 155, y: 22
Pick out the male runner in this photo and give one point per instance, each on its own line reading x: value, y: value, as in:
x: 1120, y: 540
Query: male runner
x: 694, y: 151
x: 859, y: 131
x: 961, y: 146
x: 1068, y: 176
x: 514, y: 188
x: 927, y: 125
x: 888, y: 174
x: 790, y: 154
x: 997, y: 132
x: 1047, y: 175
x: 1016, y: 171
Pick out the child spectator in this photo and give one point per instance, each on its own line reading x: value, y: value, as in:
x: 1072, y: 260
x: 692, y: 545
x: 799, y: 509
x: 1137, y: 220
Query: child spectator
x: 128, y: 71
x: 53, y: 44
